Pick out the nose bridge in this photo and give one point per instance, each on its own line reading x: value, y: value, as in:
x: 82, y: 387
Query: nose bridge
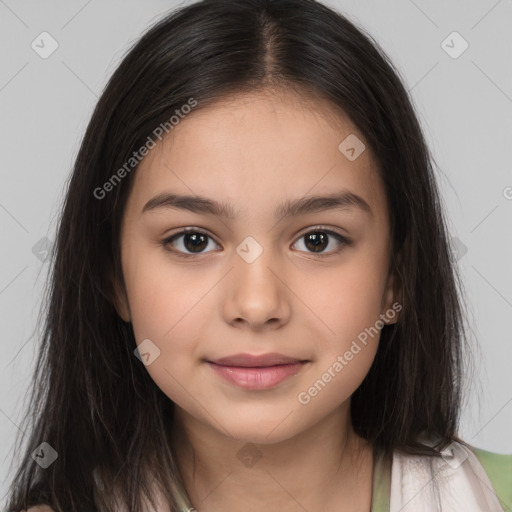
x: 254, y: 260
x: 256, y: 293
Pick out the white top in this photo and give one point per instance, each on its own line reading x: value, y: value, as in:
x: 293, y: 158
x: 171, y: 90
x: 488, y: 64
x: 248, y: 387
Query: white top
x: 455, y: 483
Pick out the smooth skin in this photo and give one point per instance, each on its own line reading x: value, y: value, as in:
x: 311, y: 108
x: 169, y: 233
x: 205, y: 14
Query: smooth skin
x: 256, y: 151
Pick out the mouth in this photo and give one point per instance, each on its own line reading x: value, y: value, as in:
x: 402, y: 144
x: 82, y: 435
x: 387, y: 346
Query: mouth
x: 257, y: 377
x: 257, y: 361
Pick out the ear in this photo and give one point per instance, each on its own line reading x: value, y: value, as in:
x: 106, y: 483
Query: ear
x: 392, y: 298
x: 120, y: 300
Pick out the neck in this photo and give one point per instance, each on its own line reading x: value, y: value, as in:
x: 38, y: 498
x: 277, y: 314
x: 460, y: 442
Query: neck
x: 327, y: 467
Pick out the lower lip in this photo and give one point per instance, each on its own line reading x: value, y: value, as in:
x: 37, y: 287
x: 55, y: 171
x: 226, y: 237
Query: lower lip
x: 257, y: 378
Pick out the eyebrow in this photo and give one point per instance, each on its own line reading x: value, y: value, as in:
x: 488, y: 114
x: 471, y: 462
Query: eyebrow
x: 344, y: 200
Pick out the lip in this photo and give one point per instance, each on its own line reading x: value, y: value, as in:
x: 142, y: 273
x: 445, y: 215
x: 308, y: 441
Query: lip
x: 257, y: 378
x: 256, y: 361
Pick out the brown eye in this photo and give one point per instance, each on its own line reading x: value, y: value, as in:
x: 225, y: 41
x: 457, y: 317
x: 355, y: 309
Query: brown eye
x: 193, y: 242
x: 318, y: 240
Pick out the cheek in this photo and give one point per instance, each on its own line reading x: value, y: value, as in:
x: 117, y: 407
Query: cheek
x: 346, y: 319
x: 169, y: 306
x: 173, y: 318
x: 347, y: 299
x: 167, y: 309
x: 161, y: 294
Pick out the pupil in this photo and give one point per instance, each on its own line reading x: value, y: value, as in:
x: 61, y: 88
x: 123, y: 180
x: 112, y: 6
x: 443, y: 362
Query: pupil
x: 317, y: 239
x: 198, y: 242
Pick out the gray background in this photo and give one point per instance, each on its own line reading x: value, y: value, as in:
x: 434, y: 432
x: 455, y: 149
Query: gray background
x: 465, y: 107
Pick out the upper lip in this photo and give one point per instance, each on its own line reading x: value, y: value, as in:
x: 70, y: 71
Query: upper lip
x: 249, y: 360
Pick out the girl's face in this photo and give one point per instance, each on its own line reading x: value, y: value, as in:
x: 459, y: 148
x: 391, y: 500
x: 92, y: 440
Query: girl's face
x: 268, y: 278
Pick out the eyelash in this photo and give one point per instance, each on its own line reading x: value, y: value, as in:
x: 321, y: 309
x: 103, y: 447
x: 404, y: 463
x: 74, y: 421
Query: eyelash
x: 342, y: 239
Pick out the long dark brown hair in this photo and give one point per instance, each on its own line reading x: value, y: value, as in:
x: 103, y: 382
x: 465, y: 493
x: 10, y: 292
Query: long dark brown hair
x: 94, y: 402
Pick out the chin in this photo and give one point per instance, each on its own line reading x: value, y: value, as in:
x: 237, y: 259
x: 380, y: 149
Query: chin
x: 260, y: 432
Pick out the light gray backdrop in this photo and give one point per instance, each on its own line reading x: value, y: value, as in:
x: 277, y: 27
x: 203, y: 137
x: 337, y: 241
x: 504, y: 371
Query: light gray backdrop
x: 464, y: 96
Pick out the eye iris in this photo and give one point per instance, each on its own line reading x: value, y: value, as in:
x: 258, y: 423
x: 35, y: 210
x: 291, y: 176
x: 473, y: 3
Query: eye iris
x: 198, y: 241
x: 318, y: 239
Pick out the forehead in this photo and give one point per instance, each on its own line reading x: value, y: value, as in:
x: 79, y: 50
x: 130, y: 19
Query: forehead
x: 254, y: 150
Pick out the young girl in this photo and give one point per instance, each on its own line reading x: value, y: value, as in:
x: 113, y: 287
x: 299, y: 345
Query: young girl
x: 253, y: 301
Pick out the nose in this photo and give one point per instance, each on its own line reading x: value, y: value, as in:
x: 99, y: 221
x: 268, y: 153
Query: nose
x: 256, y: 295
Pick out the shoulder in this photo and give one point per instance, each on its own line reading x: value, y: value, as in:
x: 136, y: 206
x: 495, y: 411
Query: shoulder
x: 462, y: 465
